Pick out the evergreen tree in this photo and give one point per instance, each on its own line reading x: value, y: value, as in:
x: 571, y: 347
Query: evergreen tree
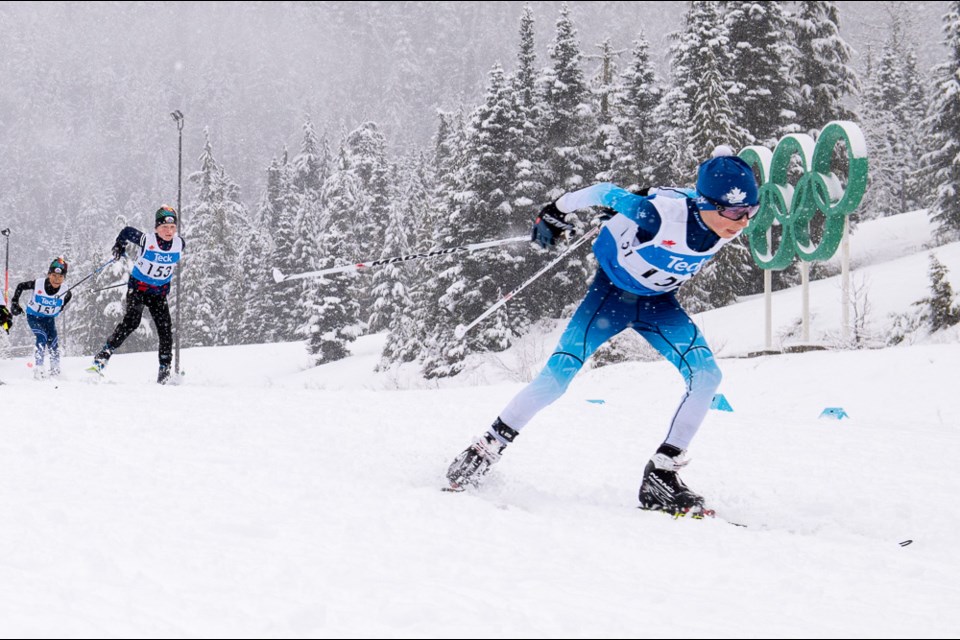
x: 531, y: 180
x: 479, y: 206
x: 938, y: 310
x: 273, y: 202
x: 254, y: 308
x: 441, y: 353
x: 567, y: 120
x: 235, y: 221
x: 309, y: 171
x: 410, y: 222
x: 490, y: 148
x: 210, y: 260
x: 893, y: 128
x: 712, y: 119
x: 607, y: 92
x: 570, y: 122
x: 256, y: 313
x: 822, y: 66
x: 525, y: 79
x: 283, y: 207
x: 308, y: 182
x: 916, y: 189
x: 362, y: 164
x: 349, y: 227
x: 673, y: 158
x: 392, y: 302
x: 942, y: 163
x: 760, y: 69
x: 634, y: 118
x: 529, y: 184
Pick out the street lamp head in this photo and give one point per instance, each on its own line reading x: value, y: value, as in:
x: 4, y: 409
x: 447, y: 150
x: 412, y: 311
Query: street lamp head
x: 5, y: 232
x: 177, y: 115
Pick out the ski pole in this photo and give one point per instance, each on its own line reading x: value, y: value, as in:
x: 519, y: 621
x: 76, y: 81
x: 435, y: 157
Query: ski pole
x: 110, y: 286
x: 462, y: 330
x: 6, y: 267
x: 278, y: 275
x: 88, y: 276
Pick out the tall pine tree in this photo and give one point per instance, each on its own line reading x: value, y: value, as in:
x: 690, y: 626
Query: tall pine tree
x: 760, y: 69
x: 634, y: 118
x: 942, y: 163
x: 823, y: 72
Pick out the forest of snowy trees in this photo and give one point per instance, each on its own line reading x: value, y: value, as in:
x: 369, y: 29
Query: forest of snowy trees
x: 552, y: 119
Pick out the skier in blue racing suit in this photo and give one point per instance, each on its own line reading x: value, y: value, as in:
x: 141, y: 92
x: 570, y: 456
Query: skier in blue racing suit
x: 650, y: 247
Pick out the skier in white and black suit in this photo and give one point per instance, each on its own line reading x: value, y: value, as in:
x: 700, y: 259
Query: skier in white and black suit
x: 47, y: 300
x: 650, y: 247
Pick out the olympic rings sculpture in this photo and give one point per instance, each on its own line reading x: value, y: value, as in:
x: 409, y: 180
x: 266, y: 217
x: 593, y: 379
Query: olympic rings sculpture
x: 793, y: 206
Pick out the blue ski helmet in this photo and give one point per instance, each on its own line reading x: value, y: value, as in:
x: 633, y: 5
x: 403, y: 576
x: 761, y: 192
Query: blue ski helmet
x: 727, y: 180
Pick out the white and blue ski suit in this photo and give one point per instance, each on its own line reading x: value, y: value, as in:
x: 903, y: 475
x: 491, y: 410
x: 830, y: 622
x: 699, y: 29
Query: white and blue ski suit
x: 646, y: 251
x: 43, y: 307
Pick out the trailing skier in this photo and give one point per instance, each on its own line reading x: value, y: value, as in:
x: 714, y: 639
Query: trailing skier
x: 46, y: 302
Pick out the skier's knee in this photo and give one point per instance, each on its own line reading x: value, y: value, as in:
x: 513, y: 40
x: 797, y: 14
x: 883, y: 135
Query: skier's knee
x: 559, y: 372
x: 706, y: 377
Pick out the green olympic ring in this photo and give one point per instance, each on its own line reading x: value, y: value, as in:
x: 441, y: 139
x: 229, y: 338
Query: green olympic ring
x: 793, y: 206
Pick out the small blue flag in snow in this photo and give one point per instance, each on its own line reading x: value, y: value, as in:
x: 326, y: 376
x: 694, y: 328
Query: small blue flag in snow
x: 837, y: 413
x: 596, y: 401
x: 720, y: 403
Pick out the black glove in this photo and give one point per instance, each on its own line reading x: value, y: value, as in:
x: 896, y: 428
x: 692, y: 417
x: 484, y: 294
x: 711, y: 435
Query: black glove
x: 15, y: 308
x: 550, y: 223
x: 6, y: 320
x: 118, y: 249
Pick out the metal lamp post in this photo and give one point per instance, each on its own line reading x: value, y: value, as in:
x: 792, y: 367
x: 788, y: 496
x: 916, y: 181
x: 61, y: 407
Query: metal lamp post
x: 178, y: 118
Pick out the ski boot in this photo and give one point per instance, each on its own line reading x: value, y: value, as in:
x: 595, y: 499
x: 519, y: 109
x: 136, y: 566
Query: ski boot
x: 474, y: 462
x: 663, y: 490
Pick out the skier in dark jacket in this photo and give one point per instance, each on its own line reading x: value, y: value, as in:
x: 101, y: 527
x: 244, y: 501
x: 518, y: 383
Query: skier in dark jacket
x: 149, y: 284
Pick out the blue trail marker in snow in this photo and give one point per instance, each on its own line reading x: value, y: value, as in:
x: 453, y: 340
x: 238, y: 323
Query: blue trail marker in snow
x: 720, y: 403
x: 837, y: 413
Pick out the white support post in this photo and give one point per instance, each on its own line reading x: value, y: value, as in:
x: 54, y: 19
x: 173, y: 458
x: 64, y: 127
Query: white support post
x: 805, y: 294
x: 845, y: 281
x: 768, y: 308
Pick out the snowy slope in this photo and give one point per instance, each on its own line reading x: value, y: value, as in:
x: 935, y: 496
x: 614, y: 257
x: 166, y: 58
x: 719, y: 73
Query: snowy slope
x: 282, y: 501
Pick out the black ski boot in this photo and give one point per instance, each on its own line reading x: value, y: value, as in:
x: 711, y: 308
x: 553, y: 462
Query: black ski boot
x: 663, y: 490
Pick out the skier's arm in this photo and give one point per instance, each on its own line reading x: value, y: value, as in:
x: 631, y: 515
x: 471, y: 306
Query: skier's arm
x: 128, y: 234
x: 66, y: 299
x: 605, y: 194
x: 15, y: 298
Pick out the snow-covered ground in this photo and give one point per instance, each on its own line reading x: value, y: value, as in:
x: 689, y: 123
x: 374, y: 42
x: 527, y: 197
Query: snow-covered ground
x: 262, y: 498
